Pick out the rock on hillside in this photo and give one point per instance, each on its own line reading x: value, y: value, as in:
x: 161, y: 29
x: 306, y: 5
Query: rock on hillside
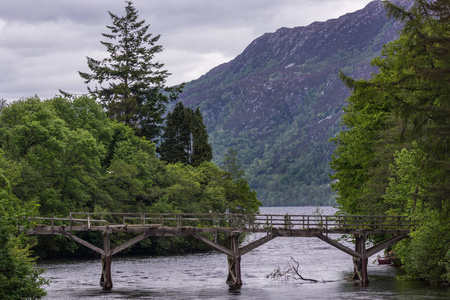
x: 280, y: 101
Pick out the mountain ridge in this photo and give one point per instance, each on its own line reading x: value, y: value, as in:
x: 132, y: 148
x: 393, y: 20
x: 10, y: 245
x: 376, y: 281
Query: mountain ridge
x: 280, y: 100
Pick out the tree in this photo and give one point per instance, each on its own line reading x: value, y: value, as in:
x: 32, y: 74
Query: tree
x: 416, y: 77
x: 60, y: 159
x: 136, y: 93
x: 176, y: 139
x: 394, y: 155
x: 201, y: 148
x: 232, y: 165
x: 185, y: 138
x: 19, y: 279
x: 241, y: 197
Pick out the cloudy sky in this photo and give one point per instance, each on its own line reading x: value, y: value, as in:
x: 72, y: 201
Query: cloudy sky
x: 44, y: 43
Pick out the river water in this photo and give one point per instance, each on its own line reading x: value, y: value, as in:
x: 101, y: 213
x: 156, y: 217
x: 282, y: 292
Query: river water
x: 202, y: 276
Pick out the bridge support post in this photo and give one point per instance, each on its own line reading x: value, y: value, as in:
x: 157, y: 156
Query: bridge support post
x: 234, y: 263
x: 360, y: 263
x: 105, y: 279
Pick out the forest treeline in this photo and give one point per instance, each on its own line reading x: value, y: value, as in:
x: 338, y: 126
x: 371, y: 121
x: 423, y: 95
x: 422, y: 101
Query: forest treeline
x: 62, y: 155
x: 108, y: 151
x: 67, y: 155
x: 394, y: 157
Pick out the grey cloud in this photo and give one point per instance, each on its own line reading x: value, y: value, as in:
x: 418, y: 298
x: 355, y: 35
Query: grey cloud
x: 44, y: 43
x: 33, y: 11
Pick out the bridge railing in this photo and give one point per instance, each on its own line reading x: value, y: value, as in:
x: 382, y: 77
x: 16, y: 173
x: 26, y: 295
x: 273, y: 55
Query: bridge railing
x: 227, y: 220
x: 336, y: 222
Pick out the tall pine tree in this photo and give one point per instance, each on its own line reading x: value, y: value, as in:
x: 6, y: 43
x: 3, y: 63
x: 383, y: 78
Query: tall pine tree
x: 201, y: 149
x: 176, y: 139
x: 135, y: 91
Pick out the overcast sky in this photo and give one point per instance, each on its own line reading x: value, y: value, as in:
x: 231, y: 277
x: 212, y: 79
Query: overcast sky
x: 44, y: 43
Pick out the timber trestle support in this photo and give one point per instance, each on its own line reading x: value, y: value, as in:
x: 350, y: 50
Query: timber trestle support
x: 233, y: 227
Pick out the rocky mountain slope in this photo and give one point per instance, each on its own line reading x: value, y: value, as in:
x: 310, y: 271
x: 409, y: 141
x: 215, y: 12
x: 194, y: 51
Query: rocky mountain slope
x: 280, y: 101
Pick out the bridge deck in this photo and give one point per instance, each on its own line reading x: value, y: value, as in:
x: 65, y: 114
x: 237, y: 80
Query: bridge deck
x: 193, y: 225
x: 166, y: 224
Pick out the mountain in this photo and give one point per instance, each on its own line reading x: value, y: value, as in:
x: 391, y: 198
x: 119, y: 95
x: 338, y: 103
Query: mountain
x: 280, y: 101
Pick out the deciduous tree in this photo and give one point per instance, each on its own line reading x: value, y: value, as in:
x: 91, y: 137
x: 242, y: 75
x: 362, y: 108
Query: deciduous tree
x: 403, y: 112
x: 19, y: 279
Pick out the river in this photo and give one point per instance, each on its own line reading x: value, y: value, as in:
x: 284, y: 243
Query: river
x: 202, y: 276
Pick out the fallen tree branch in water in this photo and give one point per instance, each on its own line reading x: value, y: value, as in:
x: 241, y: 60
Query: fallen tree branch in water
x: 295, y: 270
x: 287, y: 273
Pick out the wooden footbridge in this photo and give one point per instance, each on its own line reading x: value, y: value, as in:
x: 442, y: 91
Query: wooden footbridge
x: 142, y: 225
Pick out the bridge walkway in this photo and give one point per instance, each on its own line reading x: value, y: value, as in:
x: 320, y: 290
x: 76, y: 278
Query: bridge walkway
x: 143, y: 225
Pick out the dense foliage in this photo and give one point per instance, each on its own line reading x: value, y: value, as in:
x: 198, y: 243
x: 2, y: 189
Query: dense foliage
x: 136, y: 93
x: 394, y: 158
x: 185, y: 138
x: 70, y: 156
x: 19, y: 279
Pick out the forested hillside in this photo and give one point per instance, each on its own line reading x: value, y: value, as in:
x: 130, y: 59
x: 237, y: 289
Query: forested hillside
x: 280, y: 101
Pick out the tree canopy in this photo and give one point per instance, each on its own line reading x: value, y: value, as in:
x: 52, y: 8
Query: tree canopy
x: 394, y: 157
x: 67, y: 155
x: 19, y: 279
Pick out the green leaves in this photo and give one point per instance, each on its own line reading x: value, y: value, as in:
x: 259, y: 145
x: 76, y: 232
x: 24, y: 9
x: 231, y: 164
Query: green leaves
x: 76, y: 159
x: 59, y: 159
x: 425, y: 256
x: 407, y: 185
x: 394, y: 157
x: 18, y: 277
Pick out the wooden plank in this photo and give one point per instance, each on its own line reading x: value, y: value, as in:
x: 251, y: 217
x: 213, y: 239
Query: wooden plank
x: 129, y: 243
x: 338, y: 245
x: 215, y: 245
x: 255, y: 244
x: 106, y: 278
x: 383, y: 245
x: 308, y: 221
x: 158, y: 230
x: 84, y: 243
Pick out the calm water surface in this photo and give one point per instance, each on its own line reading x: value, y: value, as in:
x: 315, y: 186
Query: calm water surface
x: 202, y: 276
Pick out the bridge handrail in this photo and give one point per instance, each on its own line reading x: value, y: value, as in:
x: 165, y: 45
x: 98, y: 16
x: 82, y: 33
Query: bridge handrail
x: 231, y: 220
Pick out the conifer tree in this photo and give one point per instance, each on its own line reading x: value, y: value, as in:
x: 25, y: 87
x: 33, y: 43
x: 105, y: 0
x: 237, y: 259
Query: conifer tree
x: 134, y: 90
x: 201, y: 148
x: 232, y: 165
x: 175, y: 146
x: 185, y: 138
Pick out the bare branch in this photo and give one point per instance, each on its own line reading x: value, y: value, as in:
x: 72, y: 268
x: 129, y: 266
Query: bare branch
x: 295, y: 269
x: 291, y: 271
